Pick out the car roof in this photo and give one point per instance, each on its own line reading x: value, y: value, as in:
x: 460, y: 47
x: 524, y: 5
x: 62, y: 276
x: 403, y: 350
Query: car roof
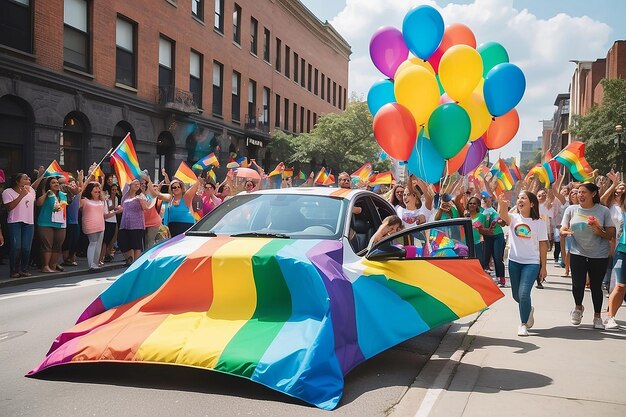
x: 348, y: 194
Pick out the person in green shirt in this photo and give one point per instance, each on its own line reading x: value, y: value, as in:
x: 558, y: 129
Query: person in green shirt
x: 494, y: 243
x: 447, y: 208
x: 480, y: 227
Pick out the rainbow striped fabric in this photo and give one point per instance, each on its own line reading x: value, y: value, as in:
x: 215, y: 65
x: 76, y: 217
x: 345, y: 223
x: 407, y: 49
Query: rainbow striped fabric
x: 285, y: 313
x: 185, y: 174
x: 55, y: 170
x: 381, y: 178
x: 573, y: 158
x: 363, y: 173
x: 504, y: 179
x: 124, y: 161
x: 515, y: 172
x: 322, y: 178
x: 206, y: 162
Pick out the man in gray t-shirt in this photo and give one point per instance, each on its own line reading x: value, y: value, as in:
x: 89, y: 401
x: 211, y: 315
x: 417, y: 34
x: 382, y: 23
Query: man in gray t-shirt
x: 584, y: 241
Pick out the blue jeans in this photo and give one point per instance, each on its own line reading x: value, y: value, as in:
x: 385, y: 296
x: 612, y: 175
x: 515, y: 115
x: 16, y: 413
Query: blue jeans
x: 494, y: 247
x: 478, y: 248
x: 522, y: 280
x: 20, y: 241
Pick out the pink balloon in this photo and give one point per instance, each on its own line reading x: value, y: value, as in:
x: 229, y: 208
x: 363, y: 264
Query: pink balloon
x: 388, y: 50
x: 444, y: 99
x: 475, y: 155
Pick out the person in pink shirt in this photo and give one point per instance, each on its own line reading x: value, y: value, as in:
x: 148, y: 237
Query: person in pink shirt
x: 92, y: 205
x: 209, y: 199
x: 19, y: 200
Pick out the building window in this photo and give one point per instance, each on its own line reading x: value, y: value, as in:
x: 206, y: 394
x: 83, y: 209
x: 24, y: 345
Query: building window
x: 294, y: 115
x: 314, y: 119
x: 344, y: 98
x: 334, y: 93
x: 315, y: 84
x: 197, y: 9
x: 266, y: 107
x: 308, y: 120
x: 278, y: 52
x: 301, y: 119
x: 125, y: 58
x: 328, y: 89
x: 236, y: 97
x: 302, y: 72
x: 310, y: 74
x: 218, y: 24
x: 286, y: 118
x: 323, y: 86
x: 166, y: 73
x: 295, y: 67
x: 16, y: 24
x: 252, y: 102
x: 218, y: 78
x: 254, y: 35
x: 339, y: 100
x: 287, y: 61
x: 266, y: 44
x: 76, y: 34
x: 195, y: 77
x: 277, y: 112
x: 71, y: 143
x: 237, y: 24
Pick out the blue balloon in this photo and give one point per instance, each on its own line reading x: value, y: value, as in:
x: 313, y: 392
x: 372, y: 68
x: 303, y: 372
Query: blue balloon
x: 425, y: 162
x: 422, y: 30
x: 380, y: 93
x: 383, y: 155
x: 504, y: 88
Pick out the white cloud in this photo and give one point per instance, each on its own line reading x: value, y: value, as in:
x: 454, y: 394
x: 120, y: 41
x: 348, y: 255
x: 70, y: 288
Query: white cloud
x: 542, y: 48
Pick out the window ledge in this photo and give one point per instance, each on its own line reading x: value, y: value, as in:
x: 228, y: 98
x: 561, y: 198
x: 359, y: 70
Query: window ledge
x: 237, y: 44
x: 78, y: 72
x: 19, y: 52
x: 197, y: 19
x: 267, y: 62
x: 219, y: 116
x: 254, y: 54
x: 219, y: 32
x: 172, y: 2
x: 126, y: 87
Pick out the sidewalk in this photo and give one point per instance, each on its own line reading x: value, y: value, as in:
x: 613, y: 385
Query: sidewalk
x: 559, y: 370
x: 70, y: 271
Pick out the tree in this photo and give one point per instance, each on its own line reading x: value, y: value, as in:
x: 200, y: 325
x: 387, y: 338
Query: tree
x: 597, y: 128
x: 344, y: 141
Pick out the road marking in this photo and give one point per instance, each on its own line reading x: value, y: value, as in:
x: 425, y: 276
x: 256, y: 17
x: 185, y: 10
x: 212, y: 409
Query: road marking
x: 60, y: 288
x: 440, y: 384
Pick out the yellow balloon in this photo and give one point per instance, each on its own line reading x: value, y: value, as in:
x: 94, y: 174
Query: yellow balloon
x: 460, y: 71
x: 417, y: 90
x: 414, y: 61
x: 479, y: 116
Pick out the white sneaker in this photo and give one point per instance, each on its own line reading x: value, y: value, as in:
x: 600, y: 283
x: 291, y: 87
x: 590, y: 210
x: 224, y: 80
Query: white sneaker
x: 576, y: 316
x: 531, y: 318
x: 597, y: 323
x: 522, y: 331
x: 611, y: 324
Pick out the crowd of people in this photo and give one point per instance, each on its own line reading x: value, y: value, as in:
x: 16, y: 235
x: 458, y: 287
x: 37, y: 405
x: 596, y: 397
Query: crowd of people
x: 51, y: 220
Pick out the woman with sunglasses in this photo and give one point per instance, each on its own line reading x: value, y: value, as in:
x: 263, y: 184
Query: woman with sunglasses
x: 209, y: 199
x: 132, y: 226
x: 51, y: 224
x: 178, y: 207
x: 396, y: 196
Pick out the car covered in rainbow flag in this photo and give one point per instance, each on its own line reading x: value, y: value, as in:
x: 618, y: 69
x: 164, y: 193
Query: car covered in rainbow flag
x: 278, y: 286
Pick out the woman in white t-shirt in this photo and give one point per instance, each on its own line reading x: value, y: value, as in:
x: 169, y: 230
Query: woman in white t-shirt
x: 413, y: 212
x: 528, y: 240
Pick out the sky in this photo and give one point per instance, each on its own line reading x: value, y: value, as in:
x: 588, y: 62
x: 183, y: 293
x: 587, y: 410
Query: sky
x: 541, y: 37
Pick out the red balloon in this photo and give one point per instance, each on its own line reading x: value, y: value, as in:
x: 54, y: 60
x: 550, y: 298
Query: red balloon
x: 501, y: 130
x: 455, y: 34
x: 395, y: 131
x: 457, y: 160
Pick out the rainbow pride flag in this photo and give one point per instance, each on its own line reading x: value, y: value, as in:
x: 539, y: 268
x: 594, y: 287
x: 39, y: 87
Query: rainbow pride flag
x: 284, y: 313
x: 514, y: 170
x: 504, y: 178
x: 186, y: 174
x: 206, y: 162
x: 55, y: 170
x: 322, y: 178
x: 363, y: 173
x: 302, y: 176
x: 288, y: 172
x: 544, y: 174
x: 573, y: 158
x: 124, y: 161
x: 381, y: 178
x: 232, y: 165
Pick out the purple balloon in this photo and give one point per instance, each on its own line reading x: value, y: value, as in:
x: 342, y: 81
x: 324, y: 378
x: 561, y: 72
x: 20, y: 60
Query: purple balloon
x: 475, y: 155
x: 388, y: 50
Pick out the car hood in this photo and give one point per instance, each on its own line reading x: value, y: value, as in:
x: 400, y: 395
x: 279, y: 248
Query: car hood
x: 286, y: 313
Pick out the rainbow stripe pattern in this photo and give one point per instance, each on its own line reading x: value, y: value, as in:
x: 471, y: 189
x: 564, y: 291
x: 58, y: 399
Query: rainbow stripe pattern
x: 381, y: 178
x: 55, y: 170
x: 124, y: 161
x: 285, y: 313
x: 573, y: 158
x: 515, y: 172
x: 503, y: 176
x: 205, y: 163
x: 322, y: 178
x: 185, y: 174
x: 363, y: 173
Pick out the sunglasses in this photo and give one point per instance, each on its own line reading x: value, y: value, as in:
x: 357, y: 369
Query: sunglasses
x: 174, y: 187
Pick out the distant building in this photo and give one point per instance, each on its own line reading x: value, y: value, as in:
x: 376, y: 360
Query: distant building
x: 559, y: 132
x: 183, y: 77
x: 529, y: 151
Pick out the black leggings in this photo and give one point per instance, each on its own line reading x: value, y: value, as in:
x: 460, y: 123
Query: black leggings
x: 595, y: 267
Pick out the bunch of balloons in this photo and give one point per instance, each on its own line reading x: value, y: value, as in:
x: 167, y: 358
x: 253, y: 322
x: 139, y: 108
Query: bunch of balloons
x: 445, y: 106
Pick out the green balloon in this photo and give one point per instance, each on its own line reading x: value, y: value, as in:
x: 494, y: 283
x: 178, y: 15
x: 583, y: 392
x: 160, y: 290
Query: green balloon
x: 449, y: 127
x: 492, y: 54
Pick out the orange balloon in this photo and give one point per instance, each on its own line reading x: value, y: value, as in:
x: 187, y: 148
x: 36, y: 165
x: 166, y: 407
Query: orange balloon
x: 457, y: 160
x: 501, y: 130
x: 455, y: 34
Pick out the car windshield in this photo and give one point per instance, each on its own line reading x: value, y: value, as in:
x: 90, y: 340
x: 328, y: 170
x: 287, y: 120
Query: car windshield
x: 276, y: 215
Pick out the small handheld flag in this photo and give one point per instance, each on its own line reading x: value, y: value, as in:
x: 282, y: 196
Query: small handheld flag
x: 55, y: 170
x: 185, y: 174
x: 124, y: 161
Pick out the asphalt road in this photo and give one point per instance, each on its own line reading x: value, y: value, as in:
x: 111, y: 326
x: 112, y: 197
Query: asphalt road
x: 32, y: 315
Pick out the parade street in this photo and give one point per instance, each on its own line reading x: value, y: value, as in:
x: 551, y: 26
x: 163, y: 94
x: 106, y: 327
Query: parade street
x: 481, y: 368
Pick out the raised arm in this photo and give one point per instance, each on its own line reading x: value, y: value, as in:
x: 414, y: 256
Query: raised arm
x: 190, y: 193
x: 503, y: 209
x: 606, y: 196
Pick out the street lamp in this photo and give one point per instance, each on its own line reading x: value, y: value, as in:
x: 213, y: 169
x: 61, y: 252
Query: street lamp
x: 619, y: 129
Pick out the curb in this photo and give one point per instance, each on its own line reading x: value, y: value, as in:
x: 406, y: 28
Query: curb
x: 38, y: 277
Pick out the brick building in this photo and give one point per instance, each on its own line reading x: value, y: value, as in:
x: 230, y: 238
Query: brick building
x: 184, y: 77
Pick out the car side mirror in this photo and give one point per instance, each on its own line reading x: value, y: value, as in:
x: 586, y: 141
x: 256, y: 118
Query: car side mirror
x: 385, y: 252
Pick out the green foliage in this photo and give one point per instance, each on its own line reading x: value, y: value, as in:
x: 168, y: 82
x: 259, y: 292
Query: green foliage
x: 597, y: 128
x: 345, y: 141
